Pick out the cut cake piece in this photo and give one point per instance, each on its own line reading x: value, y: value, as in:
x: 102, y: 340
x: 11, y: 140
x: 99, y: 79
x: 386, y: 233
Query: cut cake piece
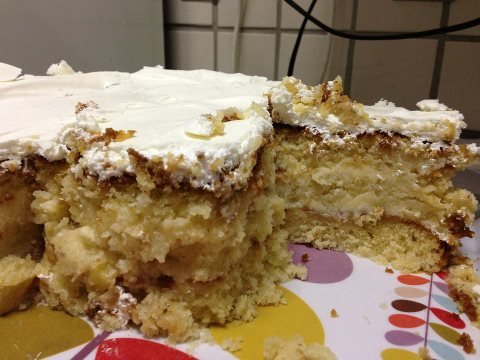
x: 155, y: 193
x: 372, y: 180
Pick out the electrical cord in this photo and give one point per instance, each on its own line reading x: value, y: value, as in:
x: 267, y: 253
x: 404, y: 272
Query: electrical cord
x: 215, y: 34
x: 278, y: 38
x: 241, y: 8
x: 329, y: 49
x: 293, y: 57
x: 468, y: 134
x: 399, y: 36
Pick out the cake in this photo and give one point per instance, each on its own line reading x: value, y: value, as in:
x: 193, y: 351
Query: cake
x: 372, y: 180
x: 169, y: 224
x: 166, y: 198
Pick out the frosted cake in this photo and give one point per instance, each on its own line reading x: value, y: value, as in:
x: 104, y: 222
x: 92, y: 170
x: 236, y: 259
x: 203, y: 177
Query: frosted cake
x: 372, y: 180
x: 166, y: 198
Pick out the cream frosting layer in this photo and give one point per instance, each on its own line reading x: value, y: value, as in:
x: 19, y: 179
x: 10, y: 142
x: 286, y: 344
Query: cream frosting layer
x: 198, y: 123
x: 302, y: 105
x: 174, y: 115
x: 9, y: 72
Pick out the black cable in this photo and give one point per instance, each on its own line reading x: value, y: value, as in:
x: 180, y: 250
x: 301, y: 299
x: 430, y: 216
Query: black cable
x: 293, y: 57
x: 470, y: 134
x: 399, y: 36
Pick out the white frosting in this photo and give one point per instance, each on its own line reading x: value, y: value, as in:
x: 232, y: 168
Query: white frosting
x: 432, y: 105
x: 177, y: 117
x: 435, y: 122
x: 384, y: 102
x: 62, y: 68
x: 311, y: 118
x: 38, y: 113
x: 9, y: 72
x: 474, y: 149
x: 202, y: 126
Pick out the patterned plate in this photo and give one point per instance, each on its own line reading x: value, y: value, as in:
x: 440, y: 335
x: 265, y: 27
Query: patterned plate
x: 356, y: 307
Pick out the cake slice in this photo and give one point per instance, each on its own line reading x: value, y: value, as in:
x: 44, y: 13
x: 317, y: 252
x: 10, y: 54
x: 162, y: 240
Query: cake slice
x: 371, y: 180
x: 155, y: 192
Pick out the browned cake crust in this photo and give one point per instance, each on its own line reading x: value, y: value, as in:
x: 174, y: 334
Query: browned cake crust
x: 462, y: 281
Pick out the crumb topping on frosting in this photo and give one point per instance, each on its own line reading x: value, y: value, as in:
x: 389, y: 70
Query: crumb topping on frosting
x: 62, y: 68
x: 324, y: 109
x: 432, y: 105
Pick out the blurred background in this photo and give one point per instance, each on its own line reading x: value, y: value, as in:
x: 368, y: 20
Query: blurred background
x: 257, y: 37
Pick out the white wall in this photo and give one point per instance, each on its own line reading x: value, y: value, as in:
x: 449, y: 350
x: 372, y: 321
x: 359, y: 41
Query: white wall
x: 190, y: 37
x: 89, y: 34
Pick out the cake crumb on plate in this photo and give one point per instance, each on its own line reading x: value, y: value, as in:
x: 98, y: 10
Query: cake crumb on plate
x: 277, y: 348
x: 466, y: 342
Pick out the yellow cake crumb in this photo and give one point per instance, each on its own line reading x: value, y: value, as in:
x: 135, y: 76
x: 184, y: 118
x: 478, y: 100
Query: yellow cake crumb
x: 232, y: 344
x: 424, y: 353
x: 295, y: 348
x: 16, y: 279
